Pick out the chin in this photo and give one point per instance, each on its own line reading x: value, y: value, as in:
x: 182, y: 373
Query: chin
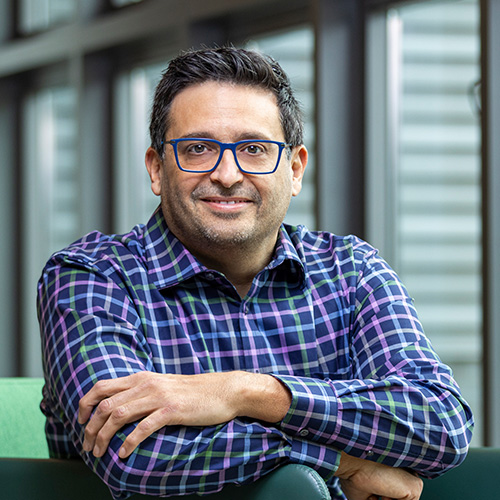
x: 225, y: 239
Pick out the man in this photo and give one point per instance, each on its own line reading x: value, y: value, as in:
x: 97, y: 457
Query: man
x: 215, y: 343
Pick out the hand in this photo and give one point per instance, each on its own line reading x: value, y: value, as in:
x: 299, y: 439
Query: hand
x: 157, y: 400
x: 366, y: 480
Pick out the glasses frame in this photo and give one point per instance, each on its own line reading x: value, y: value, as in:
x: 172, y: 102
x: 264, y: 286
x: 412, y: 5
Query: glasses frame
x: 232, y: 147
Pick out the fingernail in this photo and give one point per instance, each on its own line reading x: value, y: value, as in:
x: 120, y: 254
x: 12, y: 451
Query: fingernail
x: 123, y: 452
x: 97, y: 451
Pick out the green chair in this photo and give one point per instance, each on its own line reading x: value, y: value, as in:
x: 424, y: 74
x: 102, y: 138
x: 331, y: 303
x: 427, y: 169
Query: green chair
x: 22, y: 423
x: 27, y: 473
x: 477, y: 478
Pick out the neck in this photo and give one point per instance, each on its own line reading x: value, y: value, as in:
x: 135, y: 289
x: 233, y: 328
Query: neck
x: 240, y: 268
x: 238, y: 263
x: 238, y: 257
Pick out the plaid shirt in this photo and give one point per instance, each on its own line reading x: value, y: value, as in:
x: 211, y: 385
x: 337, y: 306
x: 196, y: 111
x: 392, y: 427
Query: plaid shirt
x: 327, y: 316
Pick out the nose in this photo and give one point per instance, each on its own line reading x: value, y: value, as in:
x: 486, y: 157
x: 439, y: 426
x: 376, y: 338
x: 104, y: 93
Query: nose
x: 227, y: 172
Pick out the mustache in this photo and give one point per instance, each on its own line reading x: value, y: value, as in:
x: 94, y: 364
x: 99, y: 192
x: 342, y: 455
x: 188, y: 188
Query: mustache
x: 201, y: 192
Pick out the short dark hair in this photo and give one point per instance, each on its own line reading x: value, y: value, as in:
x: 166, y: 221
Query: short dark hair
x: 225, y: 64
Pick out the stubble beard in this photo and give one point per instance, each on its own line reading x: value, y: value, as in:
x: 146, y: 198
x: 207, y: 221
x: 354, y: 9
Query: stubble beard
x: 211, y: 236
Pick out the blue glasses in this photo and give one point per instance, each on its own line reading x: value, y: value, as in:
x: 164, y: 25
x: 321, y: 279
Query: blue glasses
x: 254, y: 156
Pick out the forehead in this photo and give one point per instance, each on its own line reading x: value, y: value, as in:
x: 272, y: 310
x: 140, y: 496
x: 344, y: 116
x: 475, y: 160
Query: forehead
x: 223, y: 109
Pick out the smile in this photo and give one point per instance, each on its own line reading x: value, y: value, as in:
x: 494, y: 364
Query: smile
x: 227, y: 206
x: 230, y: 202
x: 226, y: 201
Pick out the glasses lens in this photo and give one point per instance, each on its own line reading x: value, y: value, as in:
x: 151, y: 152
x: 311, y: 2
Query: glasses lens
x: 258, y: 156
x: 197, y: 155
x: 202, y: 155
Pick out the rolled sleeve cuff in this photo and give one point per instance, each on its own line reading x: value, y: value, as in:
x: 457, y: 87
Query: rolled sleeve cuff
x: 322, y: 459
x: 314, y: 411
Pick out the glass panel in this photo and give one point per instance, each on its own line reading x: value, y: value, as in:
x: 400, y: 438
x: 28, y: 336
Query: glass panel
x: 434, y: 174
x: 8, y: 230
x: 134, y: 200
x: 37, y: 15
x: 294, y: 50
x: 52, y: 201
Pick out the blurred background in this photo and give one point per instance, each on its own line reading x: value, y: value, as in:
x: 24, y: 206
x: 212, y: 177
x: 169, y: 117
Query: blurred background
x: 402, y: 111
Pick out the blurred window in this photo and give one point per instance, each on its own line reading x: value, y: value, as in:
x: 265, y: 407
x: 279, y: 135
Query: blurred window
x: 432, y: 177
x: 294, y: 50
x: 51, y: 205
x: 38, y: 15
x: 134, y: 200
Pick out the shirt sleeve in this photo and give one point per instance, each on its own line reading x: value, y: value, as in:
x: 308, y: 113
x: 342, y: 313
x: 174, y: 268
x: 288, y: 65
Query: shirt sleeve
x: 91, y: 331
x: 398, y: 403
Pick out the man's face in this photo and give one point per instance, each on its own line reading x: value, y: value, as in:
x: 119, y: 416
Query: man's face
x: 217, y: 210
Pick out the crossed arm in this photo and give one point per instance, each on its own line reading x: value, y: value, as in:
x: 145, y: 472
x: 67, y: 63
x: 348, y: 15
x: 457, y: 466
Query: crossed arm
x: 158, y: 400
x: 198, y: 432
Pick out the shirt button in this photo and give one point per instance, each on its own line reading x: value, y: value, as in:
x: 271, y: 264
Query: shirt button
x: 369, y: 453
x: 303, y: 432
x: 210, y: 276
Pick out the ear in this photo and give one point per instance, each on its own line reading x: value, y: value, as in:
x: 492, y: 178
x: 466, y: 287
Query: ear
x: 299, y: 163
x: 154, y: 165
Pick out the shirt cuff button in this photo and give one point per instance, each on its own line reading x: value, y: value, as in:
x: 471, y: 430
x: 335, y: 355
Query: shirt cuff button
x: 303, y: 432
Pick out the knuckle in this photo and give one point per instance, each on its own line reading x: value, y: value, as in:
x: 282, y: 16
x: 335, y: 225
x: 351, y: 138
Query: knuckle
x: 100, y: 385
x: 148, y: 383
x: 167, y: 410
x: 102, y: 440
x: 145, y: 426
x: 104, y: 407
x: 89, y: 433
x: 119, y: 413
x: 170, y: 414
x: 420, y: 486
x: 141, y: 376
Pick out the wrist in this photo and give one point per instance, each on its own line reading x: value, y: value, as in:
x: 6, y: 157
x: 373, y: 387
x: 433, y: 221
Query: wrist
x: 348, y: 466
x: 263, y: 397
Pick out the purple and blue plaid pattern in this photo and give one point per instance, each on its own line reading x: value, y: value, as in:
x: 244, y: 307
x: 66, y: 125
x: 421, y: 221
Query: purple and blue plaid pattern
x: 327, y: 316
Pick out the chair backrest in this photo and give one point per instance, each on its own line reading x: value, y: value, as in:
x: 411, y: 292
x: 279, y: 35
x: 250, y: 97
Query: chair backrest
x: 478, y: 477
x: 27, y: 472
x: 21, y: 420
x: 50, y: 479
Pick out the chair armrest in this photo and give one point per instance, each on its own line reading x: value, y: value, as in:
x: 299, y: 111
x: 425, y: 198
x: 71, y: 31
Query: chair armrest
x: 476, y: 477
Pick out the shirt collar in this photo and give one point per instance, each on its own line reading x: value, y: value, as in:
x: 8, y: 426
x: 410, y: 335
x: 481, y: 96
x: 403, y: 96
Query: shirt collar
x: 169, y: 262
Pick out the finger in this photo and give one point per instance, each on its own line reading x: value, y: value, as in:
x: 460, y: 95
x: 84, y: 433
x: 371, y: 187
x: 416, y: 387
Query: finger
x: 102, y: 389
x: 143, y: 430
x: 111, y: 414
x: 117, y: 412
x: 115, y: 421
x: 97, y: 422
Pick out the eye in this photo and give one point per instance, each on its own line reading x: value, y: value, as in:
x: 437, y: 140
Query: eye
x: 197, y: 148
x: 254, y: 149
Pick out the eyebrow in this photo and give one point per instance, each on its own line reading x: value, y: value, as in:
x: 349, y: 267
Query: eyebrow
x: 241, y: 137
